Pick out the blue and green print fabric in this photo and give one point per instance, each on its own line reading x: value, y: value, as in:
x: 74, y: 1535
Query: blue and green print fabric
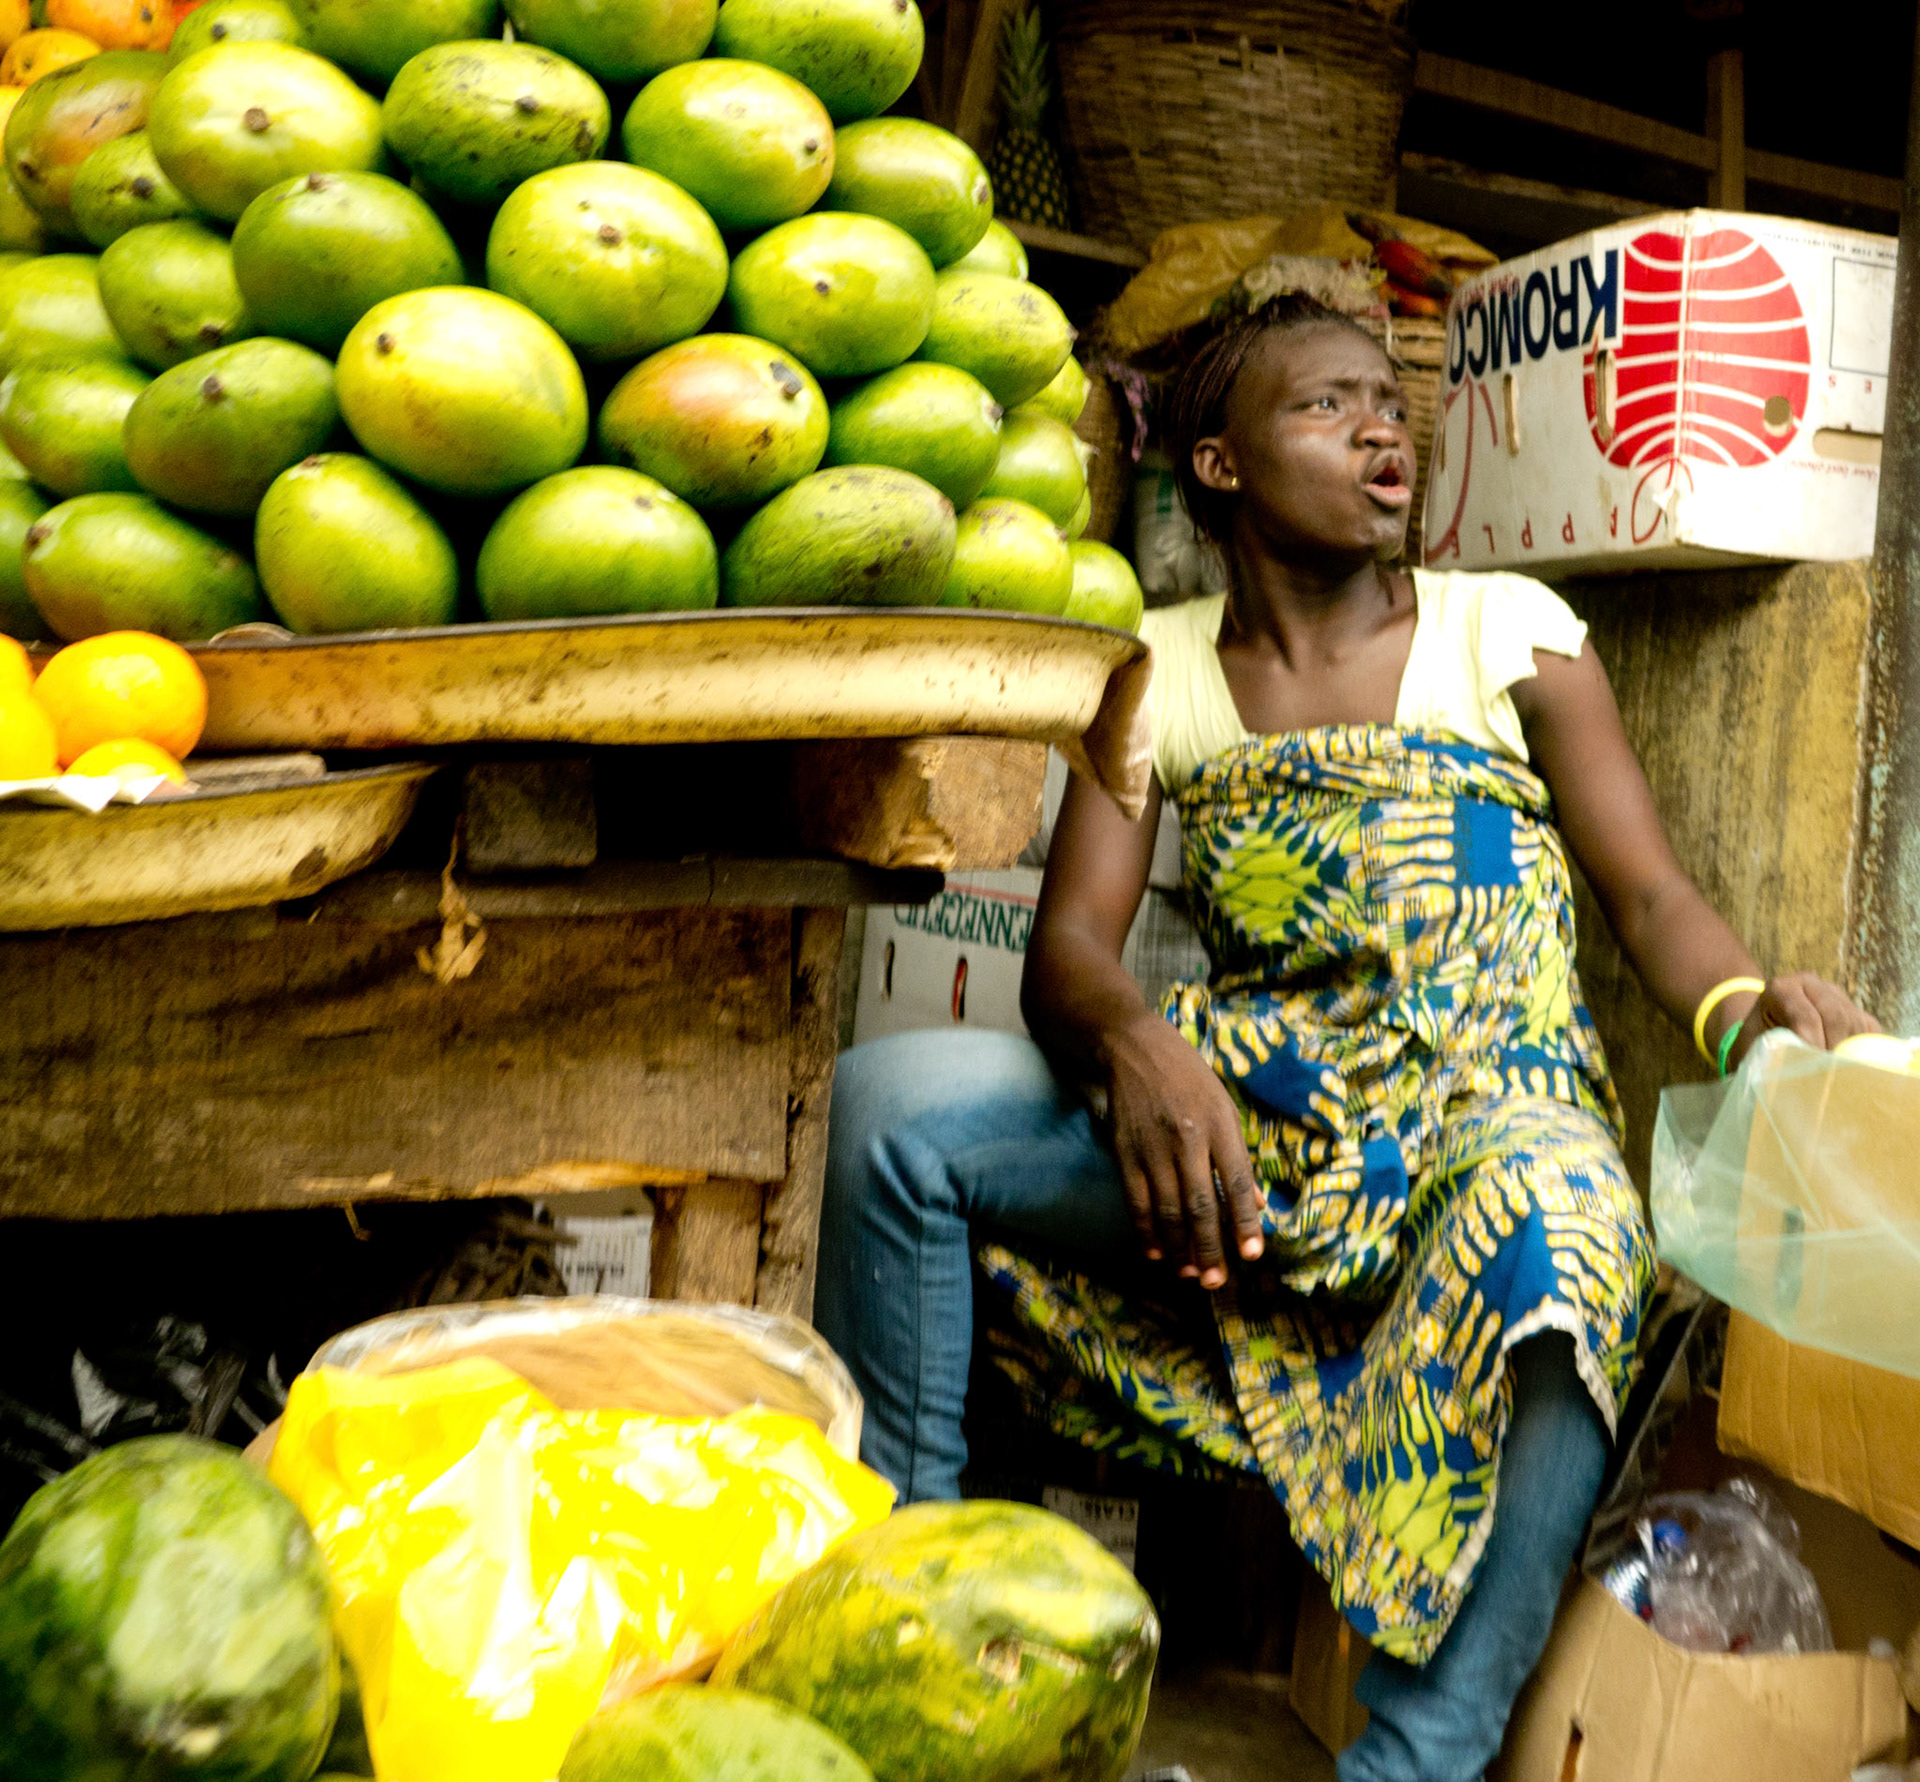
x: 1394, y: 1010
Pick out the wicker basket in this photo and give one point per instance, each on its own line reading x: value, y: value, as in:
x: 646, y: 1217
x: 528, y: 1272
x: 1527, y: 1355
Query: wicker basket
x: 1418, y: 348
x: 1183, y: 113
x: 1106, y: 424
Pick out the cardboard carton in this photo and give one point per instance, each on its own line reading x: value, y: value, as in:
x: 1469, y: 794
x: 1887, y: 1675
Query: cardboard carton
x: 1841, y: 1429
x: 1612, y: 1701
x: 1693, y: 389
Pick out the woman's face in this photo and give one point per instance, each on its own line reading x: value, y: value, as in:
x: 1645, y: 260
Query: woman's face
x: 1315, y: 446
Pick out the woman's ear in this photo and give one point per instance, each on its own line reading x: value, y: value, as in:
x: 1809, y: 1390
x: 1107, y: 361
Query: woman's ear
x: 1213, y: 464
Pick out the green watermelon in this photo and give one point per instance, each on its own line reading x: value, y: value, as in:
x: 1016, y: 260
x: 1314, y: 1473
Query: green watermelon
x: 993, y: 1641
x: 684, y: 1733
x: 164, y: 1618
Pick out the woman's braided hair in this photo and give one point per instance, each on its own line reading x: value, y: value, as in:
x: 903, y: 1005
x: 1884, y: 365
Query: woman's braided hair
x: 1196, y: 404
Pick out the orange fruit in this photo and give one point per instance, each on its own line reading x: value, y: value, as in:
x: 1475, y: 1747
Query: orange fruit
x: 128, y: 758
x: 115, y: 24
x: 41, y: 52
x: 16, y: 666
x: 122, y: 684
x: 27, y: 750
x: 16, y: 18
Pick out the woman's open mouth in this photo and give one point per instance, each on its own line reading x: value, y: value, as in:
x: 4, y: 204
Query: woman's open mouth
x: 1389, y: 485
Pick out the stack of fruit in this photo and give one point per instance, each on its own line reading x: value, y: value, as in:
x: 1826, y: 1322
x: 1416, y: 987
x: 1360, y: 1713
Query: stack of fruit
x: 123, y: 706
x: 346, y: 351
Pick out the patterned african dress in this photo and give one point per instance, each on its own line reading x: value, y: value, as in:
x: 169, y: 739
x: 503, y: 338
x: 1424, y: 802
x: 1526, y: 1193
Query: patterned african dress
x: 1394, y: 1010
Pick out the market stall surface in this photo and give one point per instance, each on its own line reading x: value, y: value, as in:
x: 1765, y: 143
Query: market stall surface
x: 1229, y: 1726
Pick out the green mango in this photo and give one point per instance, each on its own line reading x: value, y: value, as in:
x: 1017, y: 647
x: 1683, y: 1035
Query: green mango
x: 210, y: 435
x: 52, y: 305
x: 1105, y: 589
x: 725, y: 421
x: 169, y: 290
x: 858, y: 56
x: 621, y: 42
x: 751, y: 145
x: 313, y: 254
x: 1039, y: 465
x: 474, y: 119
x: 849, y: 295
x: 931, y: 420
x: 240, y: 117
x: 597, y: 540
x: 920, y: 178
x: 63, y: 418
x: 1010, y: 335
x: 1011, y: 556
x: 859, y: 535
x: 235, y: 21
x: 375, y: 39
x: 999, y: 250
x: 342, y: 545
x: 620, y: 261
x: 123, y: 563
x: 119, y: 187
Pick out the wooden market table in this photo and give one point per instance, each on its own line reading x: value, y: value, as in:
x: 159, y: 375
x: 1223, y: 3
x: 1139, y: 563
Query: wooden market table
x: 577, y: 970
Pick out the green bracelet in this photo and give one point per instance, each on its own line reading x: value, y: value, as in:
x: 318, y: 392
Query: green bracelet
x: 1726, y: 1044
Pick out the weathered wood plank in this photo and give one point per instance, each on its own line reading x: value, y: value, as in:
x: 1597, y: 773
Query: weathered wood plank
x: 946, y: 802
x: 624, y: 887
x: 222, y: 1063
x: 706, y: 1242
x: 790, y: 1239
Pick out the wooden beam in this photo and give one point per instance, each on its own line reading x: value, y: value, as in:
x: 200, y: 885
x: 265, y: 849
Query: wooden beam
x: 941, y: 802
x: 790, y: 1230
x: 1508, y: 94
x: 975, y: 110
x: 1843, y: 184
x: 706, y: 1242
x: 1079, y: 247
x: 1727, y: 129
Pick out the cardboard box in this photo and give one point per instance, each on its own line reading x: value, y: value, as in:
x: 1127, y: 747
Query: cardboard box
x: 1328, y: 1657
x: 1688, y: 390
x: 1614, y: 1702
x: 957, y: 961
x: 1843, y: 1430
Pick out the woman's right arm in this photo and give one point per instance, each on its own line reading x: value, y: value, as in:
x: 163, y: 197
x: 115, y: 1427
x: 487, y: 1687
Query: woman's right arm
x: 1176, y: 1132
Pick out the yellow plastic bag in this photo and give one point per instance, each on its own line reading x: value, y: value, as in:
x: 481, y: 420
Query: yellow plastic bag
x: 502, y: 1566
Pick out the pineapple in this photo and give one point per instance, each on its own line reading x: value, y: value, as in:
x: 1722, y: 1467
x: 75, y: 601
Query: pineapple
x: 1029, y: 182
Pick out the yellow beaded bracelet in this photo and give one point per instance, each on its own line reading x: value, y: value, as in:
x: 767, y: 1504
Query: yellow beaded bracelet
x: 1712, y: 1000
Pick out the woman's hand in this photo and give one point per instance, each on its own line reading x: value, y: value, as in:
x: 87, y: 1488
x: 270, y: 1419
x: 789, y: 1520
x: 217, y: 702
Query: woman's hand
x: 1175, y: 1132
x: 1820, y: 1013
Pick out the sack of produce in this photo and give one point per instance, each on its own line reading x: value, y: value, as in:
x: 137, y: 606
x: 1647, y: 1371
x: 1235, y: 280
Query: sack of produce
x: 534, y: 1509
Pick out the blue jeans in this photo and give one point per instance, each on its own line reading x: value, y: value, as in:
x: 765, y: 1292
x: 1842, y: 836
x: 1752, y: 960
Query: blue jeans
x: 933, y: 1134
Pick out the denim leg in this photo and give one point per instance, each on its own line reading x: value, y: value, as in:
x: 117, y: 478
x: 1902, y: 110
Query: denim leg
x: 1443, y: 1722
x: 929, y: 1134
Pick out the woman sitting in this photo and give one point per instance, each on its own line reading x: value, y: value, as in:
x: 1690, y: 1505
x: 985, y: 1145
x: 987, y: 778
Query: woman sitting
x: 1381, y: 1136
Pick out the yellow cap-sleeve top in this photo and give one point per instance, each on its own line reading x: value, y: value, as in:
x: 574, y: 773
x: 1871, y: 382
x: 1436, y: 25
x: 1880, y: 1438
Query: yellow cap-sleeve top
x: 1473, y: 639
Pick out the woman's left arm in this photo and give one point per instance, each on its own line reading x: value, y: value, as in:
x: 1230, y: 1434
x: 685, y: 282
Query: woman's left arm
x: 1676, y: 940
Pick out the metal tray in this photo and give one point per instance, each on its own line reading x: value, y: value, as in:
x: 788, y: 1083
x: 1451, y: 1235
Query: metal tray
x: 224, y: 847
x: 725, y: 676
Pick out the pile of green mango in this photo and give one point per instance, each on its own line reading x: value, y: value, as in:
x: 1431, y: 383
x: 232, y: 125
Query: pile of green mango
x: 411, y: 312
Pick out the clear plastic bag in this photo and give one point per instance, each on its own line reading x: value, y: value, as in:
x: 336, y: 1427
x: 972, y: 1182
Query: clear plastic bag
x: 1719, y: 1572
x: 505, y: 1562
x: 1792, y: 1192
